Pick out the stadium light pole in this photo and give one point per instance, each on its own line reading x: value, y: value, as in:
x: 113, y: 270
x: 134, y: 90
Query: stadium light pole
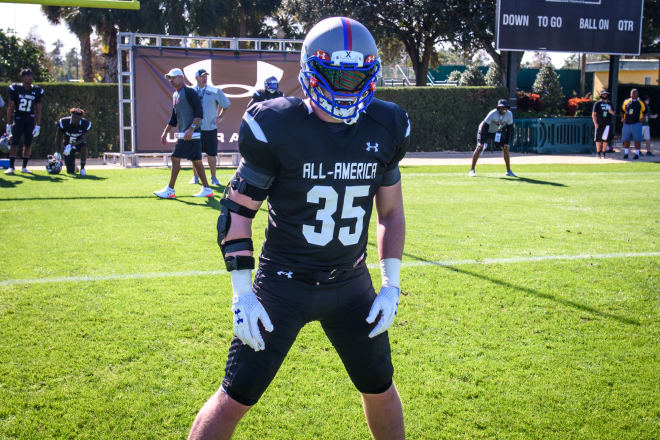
x: 102, y: 4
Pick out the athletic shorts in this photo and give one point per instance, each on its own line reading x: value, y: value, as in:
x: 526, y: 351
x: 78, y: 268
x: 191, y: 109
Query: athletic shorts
x: 191, y: 150
x: 341, y: 307
x: 632, y: 131
x: 646, y: 132
x: 210, y: 142
x: 22, y: 127
x: 489, y: 140
x: 598, y: 136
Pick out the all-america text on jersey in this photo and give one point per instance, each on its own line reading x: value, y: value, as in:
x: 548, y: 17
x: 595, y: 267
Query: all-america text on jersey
x: 341, y: 170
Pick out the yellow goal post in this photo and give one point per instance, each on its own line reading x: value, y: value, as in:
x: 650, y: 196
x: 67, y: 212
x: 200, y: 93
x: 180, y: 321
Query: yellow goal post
x: 102, y: 4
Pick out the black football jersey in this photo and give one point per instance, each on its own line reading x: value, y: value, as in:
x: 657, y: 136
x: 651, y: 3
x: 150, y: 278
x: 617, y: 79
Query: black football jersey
x: 262, y: 95
x: 324, y: 178
x: 602, y: 110
x: 25, y: 101
x: 73, y: 132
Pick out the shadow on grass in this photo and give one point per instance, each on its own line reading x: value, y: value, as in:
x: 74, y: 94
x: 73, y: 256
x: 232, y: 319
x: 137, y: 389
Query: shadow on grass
x: 9, y: 183
x: 18, y: 199
x: 528, y: 180
x: 41, y: 177
x: 527, y: 290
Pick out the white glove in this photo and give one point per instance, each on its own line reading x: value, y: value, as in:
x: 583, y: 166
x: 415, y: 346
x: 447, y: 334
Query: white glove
x: 8, y: 130
x: 57, y: 155
x: 248, y: 311
x: 387, y: 301
x: 67, y: 150
x: 35, y: 132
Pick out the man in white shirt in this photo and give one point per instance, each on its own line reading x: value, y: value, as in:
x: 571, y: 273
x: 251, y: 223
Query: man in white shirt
x: 496, y: 129
x: 214, y: 102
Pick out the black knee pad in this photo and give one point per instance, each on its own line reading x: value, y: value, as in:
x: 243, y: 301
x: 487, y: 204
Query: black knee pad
x: 70, y: 162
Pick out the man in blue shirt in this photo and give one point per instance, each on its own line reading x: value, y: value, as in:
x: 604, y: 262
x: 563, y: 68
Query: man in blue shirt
x: 214, y: 102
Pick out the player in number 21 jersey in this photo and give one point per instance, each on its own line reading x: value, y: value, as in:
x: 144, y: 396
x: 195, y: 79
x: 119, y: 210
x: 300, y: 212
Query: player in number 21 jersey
x: 321, y: 163
x: 23, y: 117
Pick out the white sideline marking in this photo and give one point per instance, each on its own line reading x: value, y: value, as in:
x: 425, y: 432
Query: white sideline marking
x: 445, y: 263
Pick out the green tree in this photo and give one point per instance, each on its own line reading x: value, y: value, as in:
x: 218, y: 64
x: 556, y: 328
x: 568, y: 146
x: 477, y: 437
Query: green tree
x: 548, y: 87
x: 418, y: 24
x: 72, y: 64
x: 472, y: 76
x: 18, y: 53
x: 494, y: 76
x: 455, y: 76
x: 57, y: 61
x: 473, y: 28
x: 78, y: 20
x: 651, y: 23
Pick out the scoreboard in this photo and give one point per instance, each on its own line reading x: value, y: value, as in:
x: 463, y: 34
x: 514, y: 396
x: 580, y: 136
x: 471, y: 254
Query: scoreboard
x: 590, y: 26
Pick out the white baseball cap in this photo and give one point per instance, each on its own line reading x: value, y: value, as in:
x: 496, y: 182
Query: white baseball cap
x: 174, y: 72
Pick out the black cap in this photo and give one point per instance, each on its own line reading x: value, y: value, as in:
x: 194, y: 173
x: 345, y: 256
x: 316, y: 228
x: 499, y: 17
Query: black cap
x: 503, y: 103
x: 26, y: 72
x: 201, y: 72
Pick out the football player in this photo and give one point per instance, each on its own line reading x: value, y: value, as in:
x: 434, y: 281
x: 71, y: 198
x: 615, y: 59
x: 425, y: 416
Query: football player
x: 72, y: 133
x: 495, y: 129
x: 601, y: 115
x: 270, y: 91
x: 23, y: 117
x: 321, y: 162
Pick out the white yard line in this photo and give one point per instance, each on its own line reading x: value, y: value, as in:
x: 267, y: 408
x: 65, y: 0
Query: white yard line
x: 445, y: 263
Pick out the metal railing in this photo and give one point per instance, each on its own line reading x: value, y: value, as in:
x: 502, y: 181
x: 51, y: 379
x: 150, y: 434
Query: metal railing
x: 554, y: 135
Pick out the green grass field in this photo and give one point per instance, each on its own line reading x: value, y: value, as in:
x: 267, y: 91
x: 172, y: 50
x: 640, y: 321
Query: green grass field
x: 518, y: 349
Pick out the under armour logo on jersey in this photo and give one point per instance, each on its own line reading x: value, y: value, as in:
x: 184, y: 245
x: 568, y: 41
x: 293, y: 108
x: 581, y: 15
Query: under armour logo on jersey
x: 373, y: 148
x: 285, y: 274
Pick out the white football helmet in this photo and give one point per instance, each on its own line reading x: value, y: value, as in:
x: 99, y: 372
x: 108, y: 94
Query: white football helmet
x: 339, y: 66
x: 4, y: 143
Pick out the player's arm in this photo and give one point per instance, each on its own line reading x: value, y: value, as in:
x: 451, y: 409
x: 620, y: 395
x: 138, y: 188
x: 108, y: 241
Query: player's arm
x: 391, y: 221
x: 594, y: 114
x: 82, y: 139
x: 198, y: 112
x: 223, y: 103
x: 169, y: 128
x: 37, y: 114
x: 10, y: 113
x: 508, y: 134
x: 391, y: 232
x: 483, y: 128
x: 247, y: 190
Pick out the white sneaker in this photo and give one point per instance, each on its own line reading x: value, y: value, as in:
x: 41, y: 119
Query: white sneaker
x: 83, y: 172
x: 510, y: 174
x: 472, y: 173
x: 26, y: 171
x: 165, y: 193
x: 194, y: 180
x: 204, y: 192
x: 9, y: 171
